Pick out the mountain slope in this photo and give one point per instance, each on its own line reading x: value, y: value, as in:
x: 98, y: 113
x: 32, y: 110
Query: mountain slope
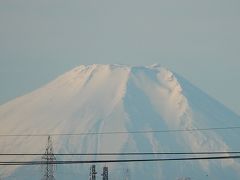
x: 116, y: 98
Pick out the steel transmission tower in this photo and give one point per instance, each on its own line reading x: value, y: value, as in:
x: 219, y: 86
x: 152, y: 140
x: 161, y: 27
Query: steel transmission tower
x: 49, y: 157
x: 92, y: 175
x: 105, y: 173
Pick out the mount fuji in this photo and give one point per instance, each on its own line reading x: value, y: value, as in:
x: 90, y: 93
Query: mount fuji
x: 120, y: 98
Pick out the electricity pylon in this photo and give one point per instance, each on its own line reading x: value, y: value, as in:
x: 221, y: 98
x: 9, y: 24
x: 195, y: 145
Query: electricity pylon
x: 105, y: 173
x: 92, y: 175
x: 49, y: 157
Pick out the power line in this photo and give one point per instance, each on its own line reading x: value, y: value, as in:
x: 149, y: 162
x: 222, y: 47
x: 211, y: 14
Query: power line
x: 124, y: 132
x: 16, y: 163
x: 123, y: 154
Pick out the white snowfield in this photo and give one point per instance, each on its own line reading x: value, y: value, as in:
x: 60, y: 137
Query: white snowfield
x: 119, y: 98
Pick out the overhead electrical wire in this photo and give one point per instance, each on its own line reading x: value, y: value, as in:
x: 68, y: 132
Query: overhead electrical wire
x: 123, y: 154
x: 17, y: 163
x: 124, y: 132
x: 14, y: 163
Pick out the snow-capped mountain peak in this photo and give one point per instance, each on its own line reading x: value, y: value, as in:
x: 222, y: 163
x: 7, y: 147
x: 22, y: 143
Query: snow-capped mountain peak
x: 120, y: 98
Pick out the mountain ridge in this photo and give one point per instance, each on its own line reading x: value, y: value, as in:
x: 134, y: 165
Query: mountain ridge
x: 106, y: 98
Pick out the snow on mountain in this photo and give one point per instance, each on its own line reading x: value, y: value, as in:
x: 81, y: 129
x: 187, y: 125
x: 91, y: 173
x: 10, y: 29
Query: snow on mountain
x: 110, y: 98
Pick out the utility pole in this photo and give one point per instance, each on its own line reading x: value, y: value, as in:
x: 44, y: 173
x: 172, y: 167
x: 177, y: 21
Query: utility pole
x: 105, y: 173
x: 92, y: 175
x: 49, y: 157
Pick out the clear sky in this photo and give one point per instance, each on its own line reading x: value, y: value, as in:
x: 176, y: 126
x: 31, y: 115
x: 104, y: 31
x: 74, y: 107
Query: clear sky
x: 199, y: 39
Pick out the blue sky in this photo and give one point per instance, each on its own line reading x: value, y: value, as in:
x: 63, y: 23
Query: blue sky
x: 200, y: 40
